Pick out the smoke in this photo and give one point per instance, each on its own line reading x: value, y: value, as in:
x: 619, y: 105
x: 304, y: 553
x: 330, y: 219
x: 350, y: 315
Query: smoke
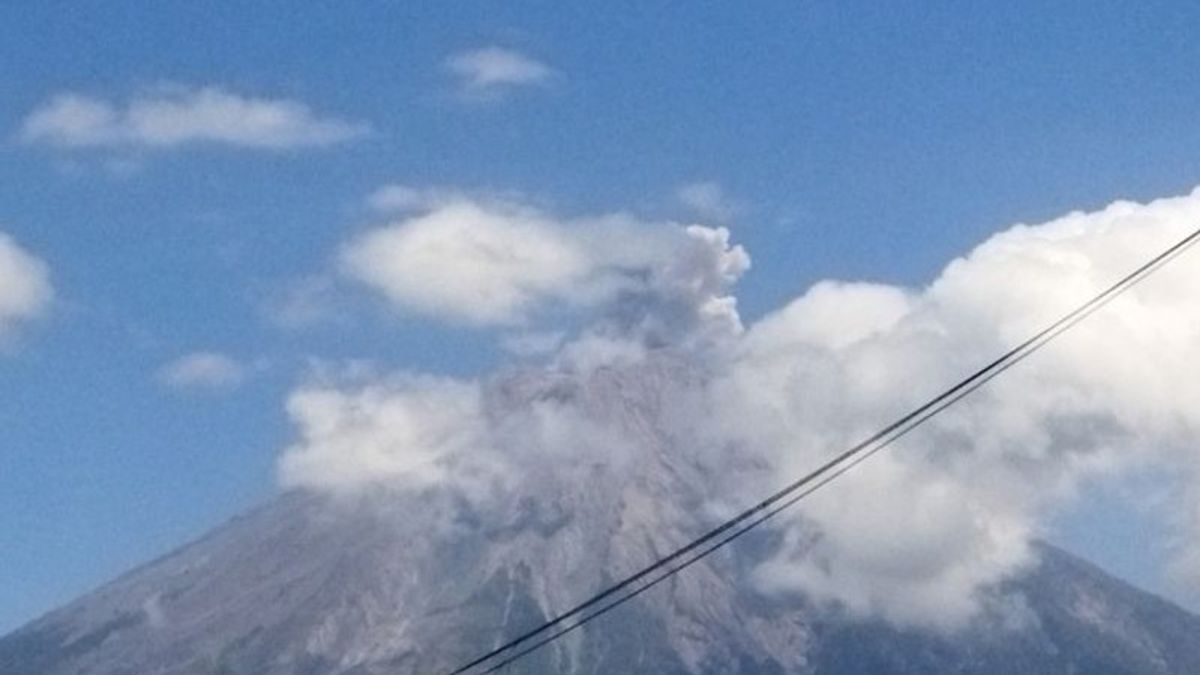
x: 922, y: 535
x: 25, y: 289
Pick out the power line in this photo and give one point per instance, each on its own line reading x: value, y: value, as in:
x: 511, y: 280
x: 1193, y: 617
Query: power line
x: 747, y: 520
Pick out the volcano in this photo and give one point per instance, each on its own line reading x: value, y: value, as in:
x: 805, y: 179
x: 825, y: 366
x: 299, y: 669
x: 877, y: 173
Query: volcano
x: 418, y: 581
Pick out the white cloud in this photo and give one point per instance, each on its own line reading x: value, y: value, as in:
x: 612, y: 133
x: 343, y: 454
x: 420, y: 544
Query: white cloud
x: 467, y: 263
x: 502, y: 264
x: 902, y: 543
x: 25, y: 290
x: 175, y: 116
x: 402, y: 430
x: 490, y: 70
x: 922, y: 535
x: 203, y: 370
x: 490, y: 445
x: 833, y: 315
x: 707, y: 200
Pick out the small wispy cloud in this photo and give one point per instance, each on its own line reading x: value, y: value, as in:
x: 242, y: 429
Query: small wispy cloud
x: 399, y: 198
x: 174, y: 116
x: 708, y: 200
x: 203, y: 370
x: 25, y: 289
x: 304, y: 302
x: 489, y: 71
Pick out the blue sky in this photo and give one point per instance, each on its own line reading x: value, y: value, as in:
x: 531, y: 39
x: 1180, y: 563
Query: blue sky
x: 849, y: 140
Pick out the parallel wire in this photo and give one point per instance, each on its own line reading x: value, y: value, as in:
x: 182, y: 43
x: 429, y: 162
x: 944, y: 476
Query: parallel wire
x: 813, y: 481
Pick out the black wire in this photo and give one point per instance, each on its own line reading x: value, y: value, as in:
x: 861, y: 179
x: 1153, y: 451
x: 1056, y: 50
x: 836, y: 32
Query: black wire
x: 880, y: 440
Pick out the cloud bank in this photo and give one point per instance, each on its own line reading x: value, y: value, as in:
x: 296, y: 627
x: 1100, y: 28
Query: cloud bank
x: 25, y: 290
x: 922, y: 535
x: 171, y: 117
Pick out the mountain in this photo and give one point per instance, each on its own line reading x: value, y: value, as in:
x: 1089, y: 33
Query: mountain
x: 414, y: 582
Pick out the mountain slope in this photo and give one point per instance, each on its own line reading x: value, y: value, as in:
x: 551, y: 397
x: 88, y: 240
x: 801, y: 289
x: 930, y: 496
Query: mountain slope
x: 294, y: 588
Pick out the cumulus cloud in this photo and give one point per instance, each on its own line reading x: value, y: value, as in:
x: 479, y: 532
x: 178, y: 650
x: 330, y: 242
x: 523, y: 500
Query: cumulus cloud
x: 492, y: 70
x: 25, y: 290
x: 491, y: 263
x: 402, y: 430
x: 170, y: 117
x: 902, y: 543
x: 922, y: 535
x: 203, y: 370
